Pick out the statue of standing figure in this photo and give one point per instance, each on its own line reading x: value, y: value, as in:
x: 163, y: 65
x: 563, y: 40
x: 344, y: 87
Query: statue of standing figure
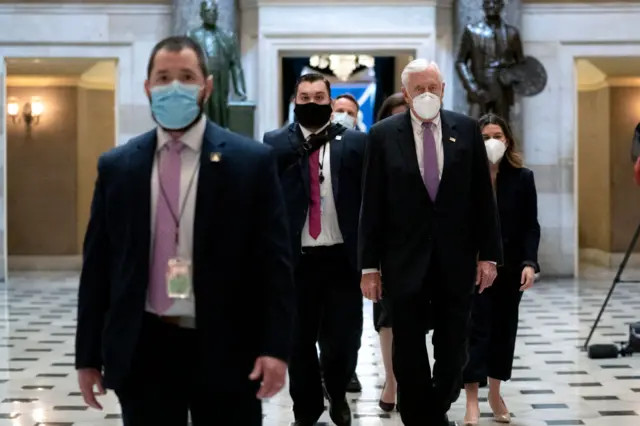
x: 223, y: 61
x: 492, y: 65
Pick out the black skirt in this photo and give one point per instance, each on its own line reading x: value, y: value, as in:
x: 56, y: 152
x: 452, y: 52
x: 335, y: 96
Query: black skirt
x: 382, y: 314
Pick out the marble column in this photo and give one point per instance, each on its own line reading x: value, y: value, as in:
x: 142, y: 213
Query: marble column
x: 186, y: 15
x: 469, y: 11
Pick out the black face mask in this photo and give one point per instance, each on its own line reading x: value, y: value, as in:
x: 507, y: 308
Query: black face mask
x: 313, y: 115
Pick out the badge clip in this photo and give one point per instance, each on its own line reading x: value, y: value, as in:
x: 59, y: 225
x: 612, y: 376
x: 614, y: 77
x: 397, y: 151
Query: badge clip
x: 215, y: 157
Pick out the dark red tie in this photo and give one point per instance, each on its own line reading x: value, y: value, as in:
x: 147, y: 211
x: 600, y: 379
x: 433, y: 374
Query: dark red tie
x: 314, y: 194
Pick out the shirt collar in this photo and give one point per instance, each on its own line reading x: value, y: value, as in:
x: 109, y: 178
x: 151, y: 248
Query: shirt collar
x: 417, y: 122
x: 306, y: 132
x: 192, y: 137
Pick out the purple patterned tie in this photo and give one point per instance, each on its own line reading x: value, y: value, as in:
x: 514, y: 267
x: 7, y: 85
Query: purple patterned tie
x: 431, y: 172
x: 165, y: 243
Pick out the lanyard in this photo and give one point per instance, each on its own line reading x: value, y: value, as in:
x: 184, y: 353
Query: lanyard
x: 178, y: 217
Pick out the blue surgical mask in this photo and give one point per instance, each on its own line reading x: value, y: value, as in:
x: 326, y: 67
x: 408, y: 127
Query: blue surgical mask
x: 175, y: 105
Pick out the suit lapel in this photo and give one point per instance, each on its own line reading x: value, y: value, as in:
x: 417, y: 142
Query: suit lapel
x: 449, y: 136
x: 296, y: 138
x: 407, y: 144
x: 336, y: 156
x: 140, y: 168
x: 211, y: 175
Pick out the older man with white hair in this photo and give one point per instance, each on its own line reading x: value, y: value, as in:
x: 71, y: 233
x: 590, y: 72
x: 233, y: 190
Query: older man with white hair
x: 429, y: 223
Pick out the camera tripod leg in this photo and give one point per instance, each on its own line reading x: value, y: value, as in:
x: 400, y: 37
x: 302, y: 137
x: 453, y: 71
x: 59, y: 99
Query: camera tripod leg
x: 615, y: 282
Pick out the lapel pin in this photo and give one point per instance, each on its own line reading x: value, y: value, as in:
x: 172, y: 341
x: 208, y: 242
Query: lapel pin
x: 339, y: 137
x: 215, y: 157
x: 452, y: 139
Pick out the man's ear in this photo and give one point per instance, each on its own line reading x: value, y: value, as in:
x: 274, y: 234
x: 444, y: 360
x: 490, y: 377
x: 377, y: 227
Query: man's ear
x: 407, y: 98
x: 208, y: 87
x: 147, y: 88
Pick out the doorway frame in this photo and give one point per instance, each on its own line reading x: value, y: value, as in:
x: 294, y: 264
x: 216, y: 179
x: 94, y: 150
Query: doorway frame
x: 274, y: 47
x: 568, y: 54
x: 122, y: 53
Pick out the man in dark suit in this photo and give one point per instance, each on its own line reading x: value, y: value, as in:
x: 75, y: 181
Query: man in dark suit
x: 429, y: 224
x: 186, y: 292
x: 320, y: 172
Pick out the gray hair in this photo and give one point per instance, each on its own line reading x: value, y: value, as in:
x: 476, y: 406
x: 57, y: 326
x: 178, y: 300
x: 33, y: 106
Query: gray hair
x: 420, y: 65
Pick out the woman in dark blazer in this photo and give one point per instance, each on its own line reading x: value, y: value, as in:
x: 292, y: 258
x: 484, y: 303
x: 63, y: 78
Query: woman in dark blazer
x: 495, y: 311
x: 394, y: 104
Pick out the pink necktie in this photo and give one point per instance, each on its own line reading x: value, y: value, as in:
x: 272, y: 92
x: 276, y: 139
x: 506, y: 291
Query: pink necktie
x: 314, y: 191
x: 165, y: 243
x: 431, y: 172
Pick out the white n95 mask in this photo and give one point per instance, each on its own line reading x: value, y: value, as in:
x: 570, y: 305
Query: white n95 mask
x: 427, y: 105
x: 345, y: 119
x: 495, y: 149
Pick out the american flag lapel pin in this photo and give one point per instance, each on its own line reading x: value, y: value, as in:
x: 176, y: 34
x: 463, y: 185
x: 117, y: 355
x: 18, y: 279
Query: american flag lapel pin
x: 215, y: 157
x: 452, y: 139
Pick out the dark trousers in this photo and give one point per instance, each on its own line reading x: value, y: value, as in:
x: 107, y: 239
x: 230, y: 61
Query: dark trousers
x: 444, y: 305
x: 494, y: 324
x: 166, y: 383
x: 329, y: 312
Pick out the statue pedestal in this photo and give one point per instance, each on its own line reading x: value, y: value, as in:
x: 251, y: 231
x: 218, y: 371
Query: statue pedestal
x: 242, y: 117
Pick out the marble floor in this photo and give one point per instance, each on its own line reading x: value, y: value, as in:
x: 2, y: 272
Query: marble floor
x: 554, y: 382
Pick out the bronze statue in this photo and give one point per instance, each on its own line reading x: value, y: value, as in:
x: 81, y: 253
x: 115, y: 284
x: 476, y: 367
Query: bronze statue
x: 487, y: 49
x: 223, y: 61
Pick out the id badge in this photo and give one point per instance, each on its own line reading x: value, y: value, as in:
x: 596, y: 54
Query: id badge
x: 179, y: 278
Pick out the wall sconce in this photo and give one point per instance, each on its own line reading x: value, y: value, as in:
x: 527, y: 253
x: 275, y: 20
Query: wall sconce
x: 31, y: 111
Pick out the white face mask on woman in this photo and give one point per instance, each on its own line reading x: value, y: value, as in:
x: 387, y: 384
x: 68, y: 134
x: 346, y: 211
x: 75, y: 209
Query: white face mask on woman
x: 495, y: 149
x: 427, y: 105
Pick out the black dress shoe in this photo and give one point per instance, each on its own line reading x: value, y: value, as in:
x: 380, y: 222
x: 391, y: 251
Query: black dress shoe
x: 340, y: 413
x: 354, y: 385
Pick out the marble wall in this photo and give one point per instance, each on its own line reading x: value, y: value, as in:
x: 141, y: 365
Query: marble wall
x: 126, y: 33
x: 558, y: 34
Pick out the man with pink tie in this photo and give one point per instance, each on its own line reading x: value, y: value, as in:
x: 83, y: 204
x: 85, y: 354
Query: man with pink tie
x: 320, y: 167
x: 186, y: 292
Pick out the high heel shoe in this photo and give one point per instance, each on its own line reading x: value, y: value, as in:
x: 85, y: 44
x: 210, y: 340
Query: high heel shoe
x: 471, y: 420
x: 504, y: 417
x: 386, y: 406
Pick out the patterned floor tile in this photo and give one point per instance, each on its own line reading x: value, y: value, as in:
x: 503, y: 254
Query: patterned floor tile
x: 554, y: 382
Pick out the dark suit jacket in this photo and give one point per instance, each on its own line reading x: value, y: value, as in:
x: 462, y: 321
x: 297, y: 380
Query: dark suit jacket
x: 400, y: 227
x: 347, y: 154
x: 518, y: 208
x: 242, y: 275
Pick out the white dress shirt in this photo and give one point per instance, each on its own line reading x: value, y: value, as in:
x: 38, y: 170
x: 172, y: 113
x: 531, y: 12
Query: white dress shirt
x: 190, y: 157
x: 418, y: 132
x: 330, y: 233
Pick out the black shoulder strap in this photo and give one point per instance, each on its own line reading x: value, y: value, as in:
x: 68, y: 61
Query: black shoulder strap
x: 308, y: 146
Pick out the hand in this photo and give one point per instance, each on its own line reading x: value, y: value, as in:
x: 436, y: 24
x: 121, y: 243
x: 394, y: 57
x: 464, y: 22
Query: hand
x: 486, y: 273
x: 88, y: 379
x: 371, y: 286
x: 528, y: 277
x: 272, y: 372
x: 482, y: 96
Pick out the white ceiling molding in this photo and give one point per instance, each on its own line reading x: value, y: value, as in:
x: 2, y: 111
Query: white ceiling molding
x: 101, y: 76
x: 593, y: 86
x: 624, y: 81
x: 589, y: 77
x: 40, y: 81
x: 84, y: 9
x: 581, y: 8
